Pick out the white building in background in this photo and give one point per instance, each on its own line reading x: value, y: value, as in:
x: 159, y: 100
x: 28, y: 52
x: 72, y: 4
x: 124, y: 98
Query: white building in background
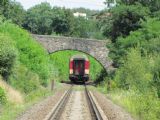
x: 111, y: 4
x: 77, y: 14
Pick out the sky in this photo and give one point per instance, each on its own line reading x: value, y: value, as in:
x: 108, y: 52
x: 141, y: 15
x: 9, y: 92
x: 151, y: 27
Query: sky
x: 91, y: 4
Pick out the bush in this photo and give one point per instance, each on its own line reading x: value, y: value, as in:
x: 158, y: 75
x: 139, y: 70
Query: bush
x: 8, y: 55
x: 156, y: 74
x: 135, y: 73
x: 3, y: 98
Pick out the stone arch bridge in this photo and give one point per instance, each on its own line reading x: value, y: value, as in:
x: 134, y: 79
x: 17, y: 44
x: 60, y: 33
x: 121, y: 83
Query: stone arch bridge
x: 95, y: 48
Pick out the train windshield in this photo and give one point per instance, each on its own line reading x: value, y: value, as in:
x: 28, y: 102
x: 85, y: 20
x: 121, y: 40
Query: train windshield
x: 78, y: 67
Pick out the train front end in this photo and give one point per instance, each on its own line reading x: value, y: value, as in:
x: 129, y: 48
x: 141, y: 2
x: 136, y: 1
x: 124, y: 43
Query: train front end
x: 79, y: 68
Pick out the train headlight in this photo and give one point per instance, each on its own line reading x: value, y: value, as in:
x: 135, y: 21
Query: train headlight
x: 71, y: 71
x: 86, y: 71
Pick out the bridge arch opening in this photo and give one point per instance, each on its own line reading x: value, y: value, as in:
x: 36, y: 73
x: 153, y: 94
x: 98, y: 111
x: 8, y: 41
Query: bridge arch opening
x: 61, y: 61
x: 95, y: 48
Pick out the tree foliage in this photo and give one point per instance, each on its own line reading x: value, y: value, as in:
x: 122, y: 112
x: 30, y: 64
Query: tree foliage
x: 39, y: 19
x: 156, y: 74
x: 154, y: 5
x: 3, y: 6
x: 8, y: 56
x: 62, y: 21
x: 123, y: 20
x: 134, y: 28
x: 16, y: 13
x: 81, y: 28
x: 43, y: 19
x: 134, y: 74
x: 13, y: 11
x: 3, y: 98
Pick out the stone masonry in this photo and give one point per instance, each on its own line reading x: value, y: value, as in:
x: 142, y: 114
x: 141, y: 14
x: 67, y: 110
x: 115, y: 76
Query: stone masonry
x: 95, y: 48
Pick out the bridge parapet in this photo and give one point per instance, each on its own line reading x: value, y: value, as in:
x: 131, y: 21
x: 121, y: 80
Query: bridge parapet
x: 95, y: 48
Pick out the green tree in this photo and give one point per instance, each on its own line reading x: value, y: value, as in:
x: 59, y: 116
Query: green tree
x: 39, y: 19
x: 123, y: 20
x: 134, y: 73
x: 146, y: 38
x: 86, y: 28
x: 4, y: 6
x: 16, y: 13
x: 154, y: 5
x: 62, y: 21
x: 13, y: 11
x: 81, y: 27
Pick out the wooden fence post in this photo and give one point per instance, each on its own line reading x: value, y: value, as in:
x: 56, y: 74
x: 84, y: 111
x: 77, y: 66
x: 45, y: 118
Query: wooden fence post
x: 109, y: 85
x: 52, y: 85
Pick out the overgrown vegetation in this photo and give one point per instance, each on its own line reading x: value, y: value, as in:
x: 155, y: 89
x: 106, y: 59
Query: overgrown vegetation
x: 8, y: 55
x: 11, y: 110
x: 141, y: 106
x: 27, y: 67
x: 133, y: 27
x: 135, y: 33
x: 123, y: 20
x: 3, y: 98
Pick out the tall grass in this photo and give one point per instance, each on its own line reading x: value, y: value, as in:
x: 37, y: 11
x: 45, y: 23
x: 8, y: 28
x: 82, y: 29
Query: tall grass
x: 142, y: 107
x: 11, y: 111
x: 12, y: 95
x: 3, y: 98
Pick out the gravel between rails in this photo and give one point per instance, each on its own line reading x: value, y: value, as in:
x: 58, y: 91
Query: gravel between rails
x: 77, y: 107
x: 40, y: 110
x: 112, y: 111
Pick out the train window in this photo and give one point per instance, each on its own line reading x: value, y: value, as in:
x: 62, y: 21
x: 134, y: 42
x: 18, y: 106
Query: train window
x: 79, y: 67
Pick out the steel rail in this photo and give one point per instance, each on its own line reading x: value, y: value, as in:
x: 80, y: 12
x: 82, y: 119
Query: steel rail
x: 93, y: 108
x: 56, y: 112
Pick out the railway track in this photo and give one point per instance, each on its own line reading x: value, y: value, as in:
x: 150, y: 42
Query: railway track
x: 92, y: 105
x: 58, y: 109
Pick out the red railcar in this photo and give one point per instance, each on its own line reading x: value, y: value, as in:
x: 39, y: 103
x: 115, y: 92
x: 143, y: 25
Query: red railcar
x: 79, y: 68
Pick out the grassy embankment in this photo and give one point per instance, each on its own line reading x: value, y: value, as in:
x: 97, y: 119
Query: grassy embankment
x: 27, y: 69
